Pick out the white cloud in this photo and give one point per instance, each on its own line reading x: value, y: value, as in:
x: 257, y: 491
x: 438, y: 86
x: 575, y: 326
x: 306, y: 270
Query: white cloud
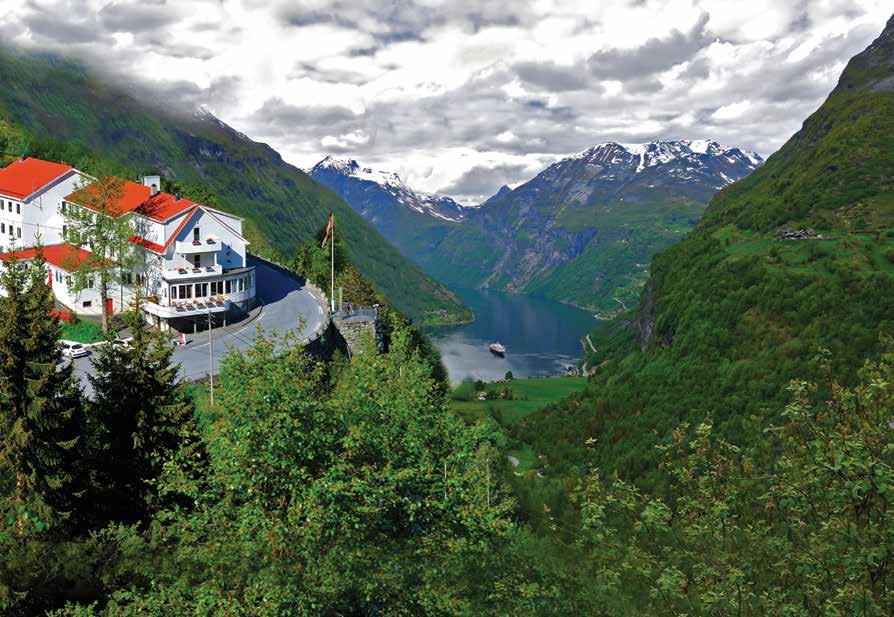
x: 448, y: 91
x: 732, y: 111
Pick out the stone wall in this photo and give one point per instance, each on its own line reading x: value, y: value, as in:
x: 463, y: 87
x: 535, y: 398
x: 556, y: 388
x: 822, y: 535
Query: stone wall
x: 358, y: 334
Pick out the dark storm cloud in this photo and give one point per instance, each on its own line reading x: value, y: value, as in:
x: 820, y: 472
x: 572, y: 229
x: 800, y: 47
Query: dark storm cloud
x: 136, y: 16
x: 653, y: 56
x: 275, y: 117
x: 552, y: 77
x: 52, y: 29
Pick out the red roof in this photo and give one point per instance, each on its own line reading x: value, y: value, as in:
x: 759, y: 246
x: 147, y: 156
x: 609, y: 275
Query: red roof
x: 162, y: 206
x: 152, y: 246
x: 64, y: 256
x: 132, y: 197
x: 24, y: 176
x: 138, y: 197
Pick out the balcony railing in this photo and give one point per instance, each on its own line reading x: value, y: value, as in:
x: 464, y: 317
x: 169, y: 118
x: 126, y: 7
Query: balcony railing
x: 190, y: 272
x: 193, y: 247
x: 184, y: 308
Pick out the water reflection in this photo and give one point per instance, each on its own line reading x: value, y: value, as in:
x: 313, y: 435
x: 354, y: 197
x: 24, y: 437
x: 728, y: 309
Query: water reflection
x: 542, y: 337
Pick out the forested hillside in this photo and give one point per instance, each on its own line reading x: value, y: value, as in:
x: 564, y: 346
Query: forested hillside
x: 92, y: 122
x: 740, y: 307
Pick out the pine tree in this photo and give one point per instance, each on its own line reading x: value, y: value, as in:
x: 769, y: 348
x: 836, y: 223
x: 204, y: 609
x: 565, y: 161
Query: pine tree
x: 41, y: 423
x: 137, y: 418
x: 42, y: 408
x: 55, y: 402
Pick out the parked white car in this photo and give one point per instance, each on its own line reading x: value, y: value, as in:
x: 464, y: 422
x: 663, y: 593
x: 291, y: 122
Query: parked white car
x: 74, y: 350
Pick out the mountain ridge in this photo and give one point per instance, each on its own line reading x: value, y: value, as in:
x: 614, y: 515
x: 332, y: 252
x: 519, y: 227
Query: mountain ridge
x: 555, y: 218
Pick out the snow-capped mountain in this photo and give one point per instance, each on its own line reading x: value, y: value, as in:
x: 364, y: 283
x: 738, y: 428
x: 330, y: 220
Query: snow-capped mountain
x: 584, y: 229
x: 373, y: 192
x: 705, y: 165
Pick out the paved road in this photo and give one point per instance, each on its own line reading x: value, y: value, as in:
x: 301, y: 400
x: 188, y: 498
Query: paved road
x: 285, y: 306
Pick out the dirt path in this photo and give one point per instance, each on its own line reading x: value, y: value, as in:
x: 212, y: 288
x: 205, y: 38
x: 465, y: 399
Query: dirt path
x: 590, y: 343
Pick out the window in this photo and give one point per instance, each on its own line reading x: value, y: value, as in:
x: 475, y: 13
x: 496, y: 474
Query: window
x: 64, y: 207
x: 87, y: 303
x: 197, y: 261
x: 90, y: 282
x: 19, y: 232
x: 173, y: 292
x: 229, y: 286
x: 2, y: 228
x: 185, y: 292
x: 64, y: 229
x: 195, y: 235
x: 18, y: 208
x: 201, y: 290
x: 241, y: 284
x: 68, y: 281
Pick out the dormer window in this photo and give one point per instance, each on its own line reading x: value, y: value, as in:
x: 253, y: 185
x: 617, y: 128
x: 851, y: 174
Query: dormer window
x: 195, y: 236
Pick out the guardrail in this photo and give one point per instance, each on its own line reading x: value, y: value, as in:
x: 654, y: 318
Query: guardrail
x: 357, y: 313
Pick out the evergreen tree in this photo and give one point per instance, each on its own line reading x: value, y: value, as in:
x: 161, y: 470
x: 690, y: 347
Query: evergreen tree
x: 41, y: 421
x: 136, y: 418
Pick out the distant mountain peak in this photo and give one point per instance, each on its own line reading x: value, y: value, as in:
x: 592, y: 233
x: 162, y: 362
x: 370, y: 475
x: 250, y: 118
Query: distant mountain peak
x: 504, y: 190
x: 339, y: 173
x: 680, y: 157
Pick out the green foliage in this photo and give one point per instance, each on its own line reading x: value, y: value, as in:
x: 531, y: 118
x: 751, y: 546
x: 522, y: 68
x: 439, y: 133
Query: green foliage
x: 314, y: 501
x: 97, y: 226
x: 82, y: 331
x: 41, y: 424
x: 808, y: 536
x: 136, y: 420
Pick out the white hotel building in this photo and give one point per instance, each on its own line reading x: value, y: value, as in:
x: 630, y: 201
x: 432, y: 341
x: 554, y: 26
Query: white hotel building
x: 191, y: 258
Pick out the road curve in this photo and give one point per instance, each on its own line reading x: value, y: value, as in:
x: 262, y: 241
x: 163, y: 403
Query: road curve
x: 286, y: 305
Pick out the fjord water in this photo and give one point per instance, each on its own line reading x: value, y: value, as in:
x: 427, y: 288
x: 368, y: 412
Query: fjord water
x: 542, y: 337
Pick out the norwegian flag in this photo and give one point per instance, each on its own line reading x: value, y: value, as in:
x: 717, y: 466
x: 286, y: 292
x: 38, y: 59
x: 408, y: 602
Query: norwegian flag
x: 329, y: 229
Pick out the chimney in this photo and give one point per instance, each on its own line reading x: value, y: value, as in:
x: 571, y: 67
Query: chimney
x: 153, y: 182
x: 177, y: 196
x: 22, y: 159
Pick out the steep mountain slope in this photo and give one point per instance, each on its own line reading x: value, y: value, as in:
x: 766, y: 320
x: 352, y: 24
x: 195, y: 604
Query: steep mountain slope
x: 739, y: 308
x: 46, y: 97
x: 412, y: 221
x: 584, y: 229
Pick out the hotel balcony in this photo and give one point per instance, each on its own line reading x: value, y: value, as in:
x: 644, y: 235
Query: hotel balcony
x: 186, y: 273
x: 193, y: 247
x: 186, y: 308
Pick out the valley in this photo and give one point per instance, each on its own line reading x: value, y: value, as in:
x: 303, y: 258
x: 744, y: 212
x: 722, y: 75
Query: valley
x: 582, y: 232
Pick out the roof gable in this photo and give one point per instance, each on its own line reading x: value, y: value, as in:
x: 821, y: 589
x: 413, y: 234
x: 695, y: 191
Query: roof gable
x: 25, y: 176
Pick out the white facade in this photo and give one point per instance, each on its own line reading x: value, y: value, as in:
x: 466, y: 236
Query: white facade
x: 191, y: 259
x: 23, y: 220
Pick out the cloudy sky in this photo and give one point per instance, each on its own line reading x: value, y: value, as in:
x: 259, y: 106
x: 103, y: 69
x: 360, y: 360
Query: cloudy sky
x: 459, y: 96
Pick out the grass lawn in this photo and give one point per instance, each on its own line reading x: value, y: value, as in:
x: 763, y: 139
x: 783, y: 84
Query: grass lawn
x: 529, y: 396
x: 82, y: 332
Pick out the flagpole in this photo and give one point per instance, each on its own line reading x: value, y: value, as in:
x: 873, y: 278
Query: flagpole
x: 332, y: 287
